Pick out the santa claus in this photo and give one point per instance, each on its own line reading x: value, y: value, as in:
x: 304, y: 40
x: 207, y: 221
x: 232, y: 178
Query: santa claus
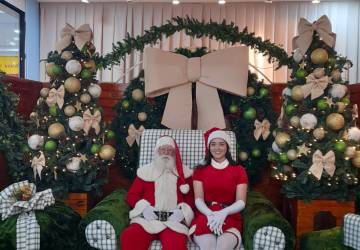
x: 161, y: 198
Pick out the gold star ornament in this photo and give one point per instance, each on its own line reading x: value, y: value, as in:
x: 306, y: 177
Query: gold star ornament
x: 302, y: 149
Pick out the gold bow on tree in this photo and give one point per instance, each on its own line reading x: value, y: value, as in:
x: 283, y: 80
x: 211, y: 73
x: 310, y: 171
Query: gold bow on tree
x: 81, y: 36
x: 56, y: 97
x: 320, y: 163
x: 37, y: 164
x: 314, y: 86
x: 262, y: 128
x: 91, y: 121
x: 167, y: 72
x: 306, y: 29
x: 134, y: 134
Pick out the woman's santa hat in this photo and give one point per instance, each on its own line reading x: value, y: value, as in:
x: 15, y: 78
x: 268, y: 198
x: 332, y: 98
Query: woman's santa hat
x: 214, y: 133
x: 168, y: 140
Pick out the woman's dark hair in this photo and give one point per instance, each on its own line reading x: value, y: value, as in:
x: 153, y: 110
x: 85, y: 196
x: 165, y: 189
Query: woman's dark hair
x: 208, y: 157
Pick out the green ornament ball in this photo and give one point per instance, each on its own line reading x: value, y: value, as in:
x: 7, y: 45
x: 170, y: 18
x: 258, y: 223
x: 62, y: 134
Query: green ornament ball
x: 272, y: 156
x: 125, y: 104
x: 345, y: 100
x: 25, y: 148
x: 290, y: 109
x: 256, y: 152
x: 53, y: 110
x: 340, y: 146
x: 332, y: 61
x: 95, y: 148
x: 110, y: 134
x: 322, y: 104
x: 233, y: 108
x: 300, y: 73
x: 86, y: 74
x: 263, y: 92
x: 50, y: 146
x: 250, y: 113
x: 283, y: 157
x: 56, y: 70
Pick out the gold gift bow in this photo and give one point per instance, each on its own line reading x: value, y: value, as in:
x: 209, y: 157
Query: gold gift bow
x: 91, y: 121
x: 167, y: 72
x: 81, y: 36
x: 320, y: 163
x: 306, y: 29
x: 134, y: 134
x: 56, y: 97
x: 262, y: 128
x: 315, y: 86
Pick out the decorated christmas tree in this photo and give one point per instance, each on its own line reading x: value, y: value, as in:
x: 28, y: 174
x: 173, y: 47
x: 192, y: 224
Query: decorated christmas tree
x: 68, y: 141
x: 316, y: 151
x: 249, y: 117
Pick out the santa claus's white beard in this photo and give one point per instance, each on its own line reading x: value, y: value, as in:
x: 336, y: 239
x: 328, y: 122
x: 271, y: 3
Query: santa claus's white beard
x: 166, y: 184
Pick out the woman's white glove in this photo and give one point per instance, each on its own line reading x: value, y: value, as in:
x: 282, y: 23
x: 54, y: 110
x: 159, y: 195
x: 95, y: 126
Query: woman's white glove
x: 149, y: 213
x: 177, y: 215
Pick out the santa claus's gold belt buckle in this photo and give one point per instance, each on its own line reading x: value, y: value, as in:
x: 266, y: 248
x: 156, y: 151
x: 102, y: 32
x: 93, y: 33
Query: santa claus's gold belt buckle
x: 163, y: 215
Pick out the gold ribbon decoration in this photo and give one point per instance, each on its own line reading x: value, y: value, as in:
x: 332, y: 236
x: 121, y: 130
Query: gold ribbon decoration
x: 81, y: 36
x: 320, y: 163
x: 91, y: 121
x: 355, y: 111
x: 56, y: 96
x: 262, y: 129
x: 37, y: 164
x: 134, y: 134
x: 315, y: 86
x: 167, y: 72
x: 306, y: 30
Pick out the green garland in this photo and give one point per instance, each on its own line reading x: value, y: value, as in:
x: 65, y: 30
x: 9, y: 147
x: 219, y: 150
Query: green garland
x: 11, y: 132
x: 240, y: 112
x: 227, y: 33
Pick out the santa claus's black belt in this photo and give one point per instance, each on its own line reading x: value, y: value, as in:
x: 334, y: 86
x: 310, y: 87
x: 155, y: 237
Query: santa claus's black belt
x: 212, y: 203
x: 163, y: 215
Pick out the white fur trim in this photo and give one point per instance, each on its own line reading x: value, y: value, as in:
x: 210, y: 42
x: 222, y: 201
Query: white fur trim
x: 185, y: 188
x: 219, y: 134
x: 139, y: 208
x: 164, y: 140
x: 187, y: 211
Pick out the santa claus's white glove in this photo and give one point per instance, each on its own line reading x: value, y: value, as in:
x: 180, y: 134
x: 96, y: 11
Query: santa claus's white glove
x: 217, y: 220
x: 177, y: 215
x: 149, y: 214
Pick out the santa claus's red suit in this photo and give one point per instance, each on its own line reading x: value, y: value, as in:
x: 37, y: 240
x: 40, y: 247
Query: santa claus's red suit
x: 161, y: 198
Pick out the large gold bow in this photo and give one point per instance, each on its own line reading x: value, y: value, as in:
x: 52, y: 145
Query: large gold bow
x: 37, y: 164
x: 262, y: 128
x: 91, y: 121
x: 134, y: 134
x: 56, y: 96
x: 81, y: 36
x: 167, y: 72
x: 321, y: 162
x: 306, y: 29
x: 314, y: 86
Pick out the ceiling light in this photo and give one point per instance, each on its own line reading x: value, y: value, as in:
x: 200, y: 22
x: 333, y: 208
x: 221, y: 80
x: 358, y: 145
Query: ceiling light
x: 12, y: 43
x: 221, y: 2
x: 315, y: 1
x: 175, y: 2
x: 1, y: 12
x: 17, y: 31
x: 268, y: 1
x: 85, y: 1
x: 16, y: 38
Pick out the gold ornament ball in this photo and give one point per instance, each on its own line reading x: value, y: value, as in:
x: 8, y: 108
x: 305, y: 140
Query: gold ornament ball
x: 335, y: 121
x: 319, y: 56
x: 55, y: 130
x: 90, y: 65
x: 295, y: 121
x: 107, y: 152
x: 44, y: 92
x: 319, y: 72
x: 356, y: 159
x: 250, y: 91
x: 350, y: 151
x: 66, y: 55
x: 341, y: 107
x: 319, y: 133
x: 69, y: 110
x: 85, y: 98
x: 297, y: 94
x: 243, y: 156
x: 137, y: 94
x: 49, y: 69
x: 292, y: 154
x: 282, y: 138
x: 33, y: 115
x: 72, y: 85
x: 335, y: 75
x: 142, y: 116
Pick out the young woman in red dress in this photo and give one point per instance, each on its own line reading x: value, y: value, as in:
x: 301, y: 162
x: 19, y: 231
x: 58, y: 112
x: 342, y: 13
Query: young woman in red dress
x: 220, y: 188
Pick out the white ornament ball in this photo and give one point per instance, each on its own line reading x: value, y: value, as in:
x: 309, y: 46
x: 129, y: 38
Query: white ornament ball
x: 94, y: 90
x: 338, y: 90
x: 292, y: 154
x: 69, y: 110
x: 35, y: 141
x: 44, y: 92
x: 319, y: 72
x: 354, y: 134
x: 142, y: 116
x: 73, y: 67
x: 308, y: 121
x: 286, y: 92
x: 85, y: 98
x: 275, y: 147
x: 297, y: 55
x: 295, y: 121
x: 66, y: 55
x: 76, y: 123
x: 74, y: 164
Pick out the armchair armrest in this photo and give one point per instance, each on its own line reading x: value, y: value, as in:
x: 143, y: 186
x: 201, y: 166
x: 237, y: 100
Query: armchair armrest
x: 260, y: 214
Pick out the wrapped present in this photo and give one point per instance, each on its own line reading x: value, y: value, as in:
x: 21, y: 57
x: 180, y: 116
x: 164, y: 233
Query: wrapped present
x: 32, y: 220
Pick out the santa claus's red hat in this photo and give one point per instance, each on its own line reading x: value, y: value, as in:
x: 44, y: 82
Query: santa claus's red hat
x: 215, y: 133
x: 168, y: 140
